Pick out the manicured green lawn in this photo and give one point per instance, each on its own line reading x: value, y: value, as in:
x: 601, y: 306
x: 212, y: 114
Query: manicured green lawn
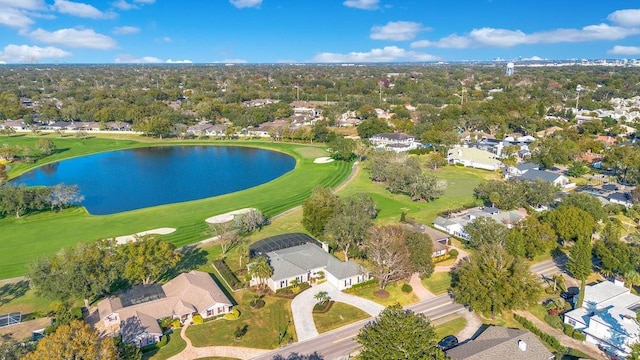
x: 34, y: 236
x: 438, y: 283
x: 396, y: 296
x: 339, y: 315
x: 18, y: 297
x: 450, y: 327
x: 173, y: 347
x: 459, y: 192
x: 263, y: 325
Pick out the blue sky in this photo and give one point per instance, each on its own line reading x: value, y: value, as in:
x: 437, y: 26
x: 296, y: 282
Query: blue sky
x: 300, y: 31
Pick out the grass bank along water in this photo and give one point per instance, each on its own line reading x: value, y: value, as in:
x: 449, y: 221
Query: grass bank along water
x: 25, y: 239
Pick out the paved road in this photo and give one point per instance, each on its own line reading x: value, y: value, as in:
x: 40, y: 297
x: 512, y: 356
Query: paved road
x: 339, y: 343
x: 554, y: 266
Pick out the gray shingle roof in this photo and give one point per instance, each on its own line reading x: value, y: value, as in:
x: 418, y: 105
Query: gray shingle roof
x: 540, y: 174
x: 298, y: 260
x: 501, y: 343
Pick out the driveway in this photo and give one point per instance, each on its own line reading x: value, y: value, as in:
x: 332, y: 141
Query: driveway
x: 302, y: 308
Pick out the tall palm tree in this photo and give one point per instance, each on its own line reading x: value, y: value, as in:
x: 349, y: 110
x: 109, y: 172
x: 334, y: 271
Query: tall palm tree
x: 261, y: 269
x: 632, y: 278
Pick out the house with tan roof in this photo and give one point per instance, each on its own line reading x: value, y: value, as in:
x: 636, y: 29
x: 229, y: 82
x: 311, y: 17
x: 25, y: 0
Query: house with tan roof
x: 135, y: 313
x: 497, y: 342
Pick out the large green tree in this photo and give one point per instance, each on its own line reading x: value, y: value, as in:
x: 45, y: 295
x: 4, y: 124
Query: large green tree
x: 493, y: 280
x: 347, y: 227
x: 580, y: 265
x: 399, y: 334
x: 147, y: 259
x: 485, y: 230
x: 571, y: 223
x: 77, y: 340
x: 318, y: 209
x: 420, y: 248
x: 530, y: 238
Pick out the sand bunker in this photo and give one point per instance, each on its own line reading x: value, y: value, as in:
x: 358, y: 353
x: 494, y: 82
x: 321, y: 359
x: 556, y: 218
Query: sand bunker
x: 226, y: 217
x: 323, y: 160
x: 131, y: 238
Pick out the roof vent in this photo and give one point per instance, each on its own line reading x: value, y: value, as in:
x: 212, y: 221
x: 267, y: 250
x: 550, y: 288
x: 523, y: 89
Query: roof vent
x: 522, y: 345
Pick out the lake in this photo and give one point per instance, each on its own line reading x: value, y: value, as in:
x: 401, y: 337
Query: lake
x: 123, y: 180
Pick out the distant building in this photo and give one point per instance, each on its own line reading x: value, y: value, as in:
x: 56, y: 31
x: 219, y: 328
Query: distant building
x: 397, y: 142
x: 475, y: 158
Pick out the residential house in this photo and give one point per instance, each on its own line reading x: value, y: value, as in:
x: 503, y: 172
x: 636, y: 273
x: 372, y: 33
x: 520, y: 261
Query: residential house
x: 135, y: 313
x: 299, y: 257
x: 475, y: 158
x: 621, y: 198
x: 608, y: 317
x: 205, y: 128
x: 455, y: 224
x: 397, y: 142
x: 547, y: 176
x: 14, y: 124
x: 497, y: 342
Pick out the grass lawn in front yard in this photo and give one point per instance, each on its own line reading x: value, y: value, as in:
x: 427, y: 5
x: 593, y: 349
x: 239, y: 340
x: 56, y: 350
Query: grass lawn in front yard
x: 396, y: 296
x: 339, y: 315
x: 263, y: 325
x: 438, y: 283
x: 450, y: 326
x: 19, y: 297
x: 173, y: 347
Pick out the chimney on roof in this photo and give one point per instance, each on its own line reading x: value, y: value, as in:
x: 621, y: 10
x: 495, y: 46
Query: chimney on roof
x: 522, y: 345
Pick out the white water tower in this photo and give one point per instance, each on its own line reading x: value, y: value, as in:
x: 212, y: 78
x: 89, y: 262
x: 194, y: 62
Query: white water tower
x: 510, y: 68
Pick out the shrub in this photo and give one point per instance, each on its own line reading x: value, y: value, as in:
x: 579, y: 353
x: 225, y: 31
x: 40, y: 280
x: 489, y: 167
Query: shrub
x: 321, y: 308
x: 226, y: 273
x: 157, y: 346
x: 76, y: 312
x: 567, y: 329
x: 241, y: 331
x: 233, y: 315
x: 579, y: 335
x: 320, y: 274
x: 362, y: 285
x: 197, y: 319
x: 176, y: 324
x: 166, y: 323
x: 453, y: 253
x: 406, y: 288
x: 553, y: 342
x: 257, y: 303
x: 554, y: 320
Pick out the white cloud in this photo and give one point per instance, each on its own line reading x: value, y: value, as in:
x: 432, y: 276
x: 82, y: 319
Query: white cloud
x: 77, y: 38
x: 626, y: 17
x: 25, y: 53
x: 124, y: 5
x: 362, y: 4
x: 533, y: 58
x: 245, y: 3
x: 232, y: 61
x: 165, y: 39
x: 386, y: 54
x: 186, y: 61
x: 624, y: 50
x: 126, y: 30
x: 81, y: 10
x: 23, y: 4
x: 128, y: 59
x: 492, y: 37
x: 396, y: 30
x: 14, y: 18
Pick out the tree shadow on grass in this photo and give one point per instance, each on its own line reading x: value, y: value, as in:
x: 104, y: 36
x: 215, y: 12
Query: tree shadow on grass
x: 12, y: 291
x: 193, y: 257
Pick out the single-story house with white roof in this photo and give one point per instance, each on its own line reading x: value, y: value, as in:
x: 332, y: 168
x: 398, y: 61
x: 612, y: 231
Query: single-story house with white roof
x: 475, y: 158
x: 608, y: 317
x: 305, y: 260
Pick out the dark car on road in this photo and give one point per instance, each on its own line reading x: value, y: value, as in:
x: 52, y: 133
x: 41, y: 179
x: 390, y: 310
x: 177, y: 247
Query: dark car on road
x: 448, y: 342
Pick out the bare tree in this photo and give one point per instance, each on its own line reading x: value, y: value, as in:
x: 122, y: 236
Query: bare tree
x: 227, y: 234
x: 387, y: 249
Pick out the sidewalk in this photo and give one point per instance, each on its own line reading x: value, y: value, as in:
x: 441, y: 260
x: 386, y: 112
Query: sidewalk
x: 589, y: 350
x: 191, y: 352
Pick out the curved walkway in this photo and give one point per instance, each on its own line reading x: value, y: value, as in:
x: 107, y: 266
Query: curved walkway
x: 302, y: 308
x: 191, y: 352
x: 446, y: 268
x: 418, y: 288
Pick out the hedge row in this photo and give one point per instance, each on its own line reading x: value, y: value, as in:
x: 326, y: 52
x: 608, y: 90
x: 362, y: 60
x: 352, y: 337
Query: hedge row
x: 228, y: 275
x: 362, y: 285
x: 574, y: 333
x: 553, y: 342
